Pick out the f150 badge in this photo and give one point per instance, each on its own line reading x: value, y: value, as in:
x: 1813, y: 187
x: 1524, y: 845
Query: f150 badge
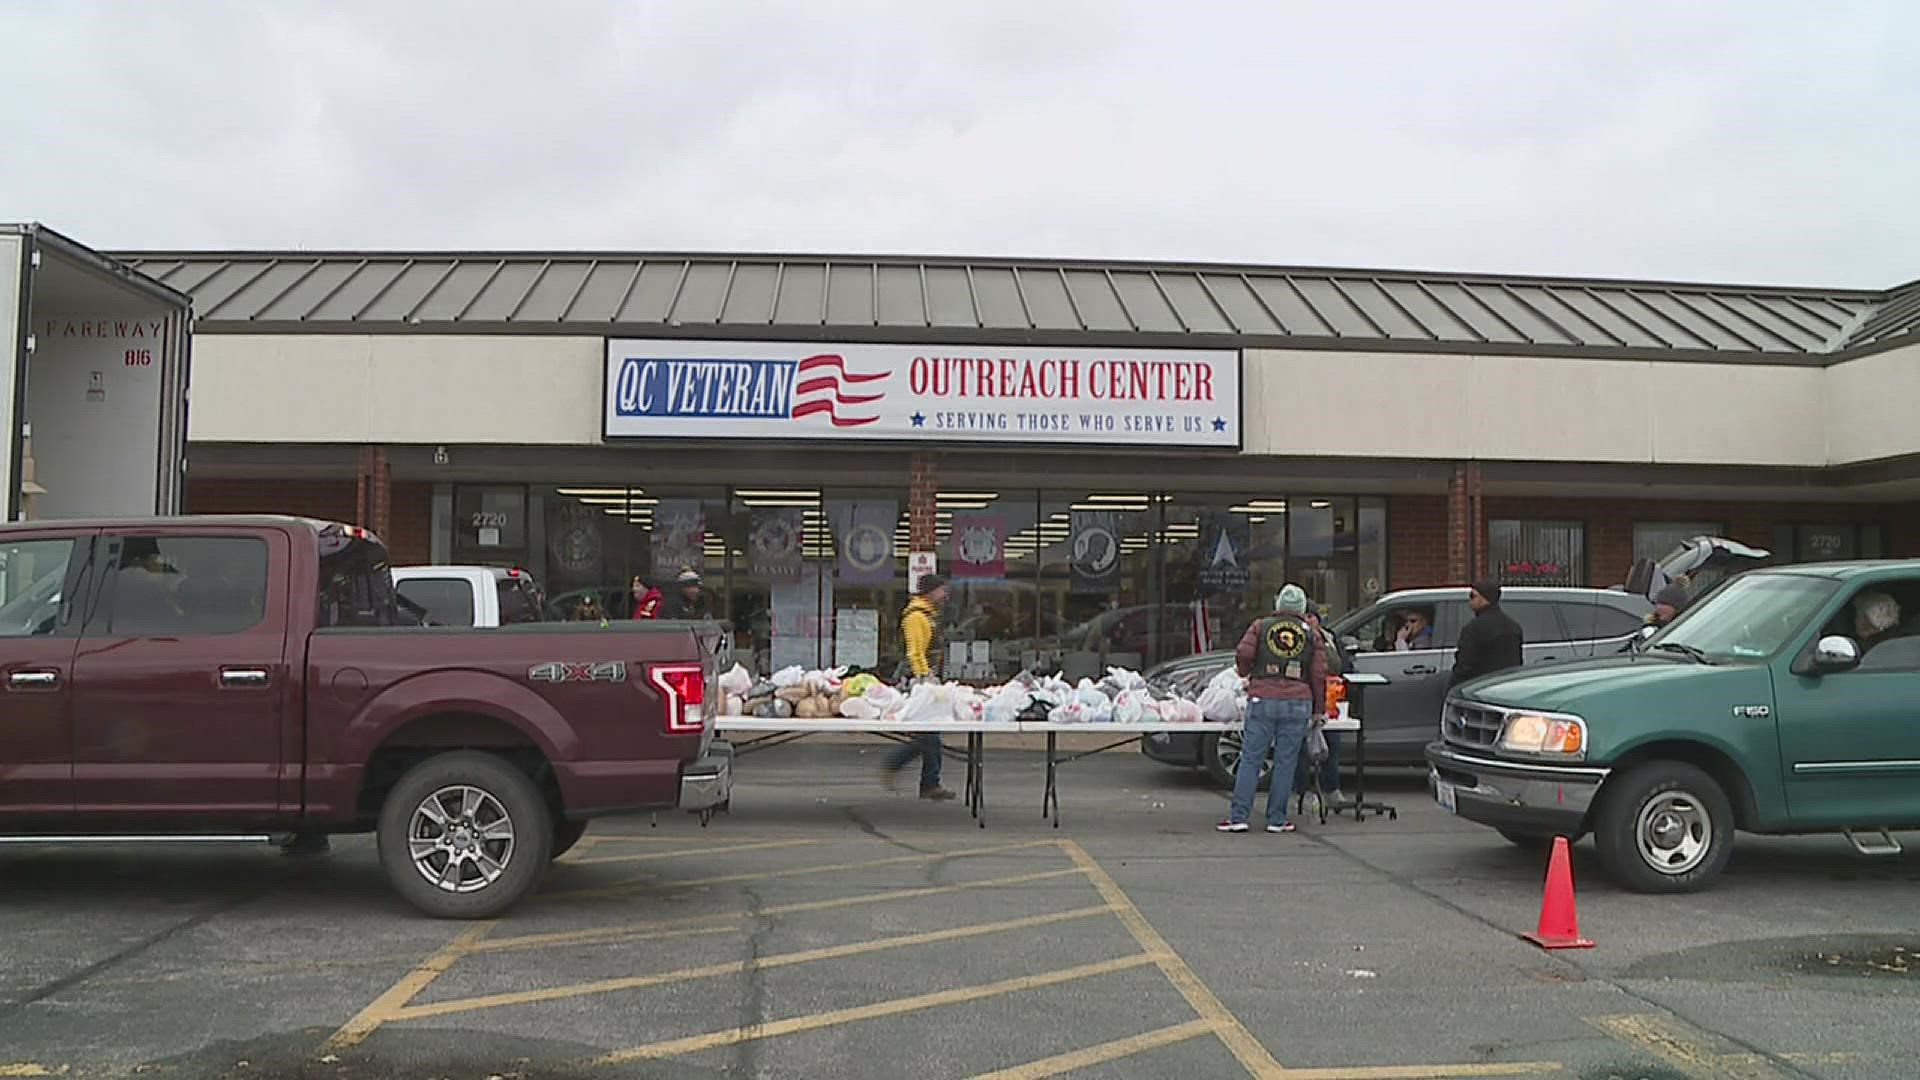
x: 1753, y: 712
x: 561, y: 671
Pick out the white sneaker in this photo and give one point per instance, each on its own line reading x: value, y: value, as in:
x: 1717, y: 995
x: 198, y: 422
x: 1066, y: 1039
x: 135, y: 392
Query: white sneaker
x: 1336, y: 796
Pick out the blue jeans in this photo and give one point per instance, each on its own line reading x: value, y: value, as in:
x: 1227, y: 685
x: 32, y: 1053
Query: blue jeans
x: 1329, y: 769
x: 1282, y: 727
x: 927, y: 749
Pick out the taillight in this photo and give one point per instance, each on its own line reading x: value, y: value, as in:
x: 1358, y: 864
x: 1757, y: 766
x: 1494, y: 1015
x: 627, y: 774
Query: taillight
x: 684, y: 686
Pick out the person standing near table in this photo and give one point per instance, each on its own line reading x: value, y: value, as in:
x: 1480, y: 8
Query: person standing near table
x: 1286, y: 668
x: 1491, y: 642
x: 926, y: 657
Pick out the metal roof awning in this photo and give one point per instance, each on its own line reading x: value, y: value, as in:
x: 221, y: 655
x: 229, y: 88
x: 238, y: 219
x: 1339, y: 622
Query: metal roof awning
x: 942, y: 299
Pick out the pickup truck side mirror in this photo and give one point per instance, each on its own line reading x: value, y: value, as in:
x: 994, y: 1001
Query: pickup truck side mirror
x: 1834, y: 653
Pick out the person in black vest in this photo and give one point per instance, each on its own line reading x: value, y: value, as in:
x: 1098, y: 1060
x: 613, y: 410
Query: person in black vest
x: 1491, y: 642
x: 1286, y: 669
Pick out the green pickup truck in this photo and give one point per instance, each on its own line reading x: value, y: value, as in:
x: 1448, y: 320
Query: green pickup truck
x: 1786, y: 701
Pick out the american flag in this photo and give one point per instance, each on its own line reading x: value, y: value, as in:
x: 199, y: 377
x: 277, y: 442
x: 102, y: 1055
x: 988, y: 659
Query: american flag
x: 823, y: 386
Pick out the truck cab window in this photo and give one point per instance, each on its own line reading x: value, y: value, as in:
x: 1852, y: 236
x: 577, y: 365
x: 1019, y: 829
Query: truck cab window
x: 33, y: 574
x: 447, y: 601
x: 176, y: 586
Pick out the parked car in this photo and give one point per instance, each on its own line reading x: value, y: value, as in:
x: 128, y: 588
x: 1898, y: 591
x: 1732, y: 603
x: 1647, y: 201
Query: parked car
x: 1769, y: 707
x: 246, y: 675
x: 1403, y: 716
x: 470, y: 595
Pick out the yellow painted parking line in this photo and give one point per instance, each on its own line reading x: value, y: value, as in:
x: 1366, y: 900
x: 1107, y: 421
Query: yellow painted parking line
x: 369, y: 1019
x: 627, y: 888
x: 816, y: 1021
x: 721, y: 849
x: 1103, y: 1053
x: 30, y: 1068
x: 1686, y: 1047
x: 1426, y: 1072
x: 623, y: 931
x: 1247, y: 1049
x: 735, y: 967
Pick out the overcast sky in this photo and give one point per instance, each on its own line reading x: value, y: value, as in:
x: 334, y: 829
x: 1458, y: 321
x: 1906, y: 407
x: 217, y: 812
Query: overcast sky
x: 1734, y: 141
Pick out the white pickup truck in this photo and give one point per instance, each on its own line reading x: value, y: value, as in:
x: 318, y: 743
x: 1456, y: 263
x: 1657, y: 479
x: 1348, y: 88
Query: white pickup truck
x: 468, y: 595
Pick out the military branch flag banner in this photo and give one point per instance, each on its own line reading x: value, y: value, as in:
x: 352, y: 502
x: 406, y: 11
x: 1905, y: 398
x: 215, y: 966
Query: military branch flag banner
x: 1226, y: 544
x: 679, y: 538
x: 863, y: 535
x: 1093, y: 539
x: 1141, y: 398
x: 775, y: 545
x: 979, y: 546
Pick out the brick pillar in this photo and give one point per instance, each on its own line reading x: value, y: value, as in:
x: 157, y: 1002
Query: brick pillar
x: 923, y: 483
x: 373, y: 494
x: 1459, y: 527
x: 1477, y: 536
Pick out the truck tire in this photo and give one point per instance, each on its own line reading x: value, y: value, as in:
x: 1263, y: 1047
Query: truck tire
x: 1664, y: 827
x: 1220, y: 757
x: 565, y: 835
x: 464, y: 835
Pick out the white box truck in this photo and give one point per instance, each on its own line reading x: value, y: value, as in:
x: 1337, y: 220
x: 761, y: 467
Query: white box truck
x: 94, y: 359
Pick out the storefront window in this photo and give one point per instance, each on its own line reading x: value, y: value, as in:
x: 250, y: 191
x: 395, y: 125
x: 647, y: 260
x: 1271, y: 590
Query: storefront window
x: 1073, y: 581
x: 1538, y: 552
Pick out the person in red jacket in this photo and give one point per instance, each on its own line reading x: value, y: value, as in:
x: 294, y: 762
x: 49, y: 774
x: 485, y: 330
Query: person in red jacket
x: 646, y: 599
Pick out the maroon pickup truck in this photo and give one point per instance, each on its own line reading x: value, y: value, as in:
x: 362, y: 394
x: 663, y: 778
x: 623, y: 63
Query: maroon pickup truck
x: 228, y: 676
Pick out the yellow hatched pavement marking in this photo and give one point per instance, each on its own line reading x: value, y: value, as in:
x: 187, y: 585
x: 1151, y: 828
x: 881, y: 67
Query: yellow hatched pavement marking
x: 735, y: 967
x: 648, y: 856
x: 1103, y: 1053
x: 30, y: 1068
x: 649, y: 929
x: 382, y: 1009
x: 1234, y: 1034
x: 1680, y: 1044
x: 958, y: 995
x: 627, y: 888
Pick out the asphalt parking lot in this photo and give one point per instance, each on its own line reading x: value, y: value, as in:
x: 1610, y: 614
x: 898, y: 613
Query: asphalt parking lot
x: 828, y: 928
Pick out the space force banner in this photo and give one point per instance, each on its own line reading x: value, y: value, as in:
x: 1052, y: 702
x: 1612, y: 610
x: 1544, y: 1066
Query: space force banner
x: 1148, y: 398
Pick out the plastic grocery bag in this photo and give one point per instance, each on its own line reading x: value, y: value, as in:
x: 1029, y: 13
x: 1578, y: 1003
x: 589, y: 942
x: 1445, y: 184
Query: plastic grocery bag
x: 1181, y: 711
x: 1126, y: 678
x: 967, y: 705
x: 827, y: 681
x: 1071, y: 713
x: 927, y: 704
x: 1008, y: 703
x: 733, y: 705
x: 1091, y: 696
x: 884, y: 697
x: 1220, y: 705
x: 1316, y: 745
x: 789, y: 676
x: 860, y: 708
x: 1131, y: 706
x: 1229, y: 678
x: 860, y: 684
x: 736, y: 682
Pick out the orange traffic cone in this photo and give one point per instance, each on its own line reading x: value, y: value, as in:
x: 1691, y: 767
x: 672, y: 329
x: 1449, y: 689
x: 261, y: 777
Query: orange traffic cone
x: 1559, y: 919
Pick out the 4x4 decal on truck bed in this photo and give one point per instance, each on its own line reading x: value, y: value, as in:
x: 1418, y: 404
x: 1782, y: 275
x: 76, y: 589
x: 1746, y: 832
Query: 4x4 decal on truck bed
x: 562, y: 671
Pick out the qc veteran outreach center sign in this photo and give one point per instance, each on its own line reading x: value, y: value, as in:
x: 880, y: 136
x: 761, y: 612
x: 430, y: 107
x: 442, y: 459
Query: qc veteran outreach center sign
x: 1145, y: 398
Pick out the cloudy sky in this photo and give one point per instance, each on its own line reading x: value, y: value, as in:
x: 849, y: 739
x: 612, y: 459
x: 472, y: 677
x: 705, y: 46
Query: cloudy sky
x: 1729, y: 140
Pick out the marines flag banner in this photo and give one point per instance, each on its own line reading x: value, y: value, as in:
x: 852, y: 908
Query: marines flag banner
x: 863, y: 537
x: 1094, y: 550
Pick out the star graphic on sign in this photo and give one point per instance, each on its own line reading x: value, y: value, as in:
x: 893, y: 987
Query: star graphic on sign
x: 1219, y: 423
x: 919, y: 419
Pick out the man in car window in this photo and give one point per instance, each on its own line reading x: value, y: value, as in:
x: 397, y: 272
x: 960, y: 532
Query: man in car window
x: 1491, y: 642
x: 1415, y: 632
x: 1875, y: 614
x: 1668, y: 603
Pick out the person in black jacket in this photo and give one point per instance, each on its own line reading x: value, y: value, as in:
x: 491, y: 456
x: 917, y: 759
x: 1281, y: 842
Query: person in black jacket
x: 1491, y: 642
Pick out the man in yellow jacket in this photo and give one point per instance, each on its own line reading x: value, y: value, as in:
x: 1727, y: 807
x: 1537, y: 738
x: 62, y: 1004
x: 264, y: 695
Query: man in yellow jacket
x: 926, y: 655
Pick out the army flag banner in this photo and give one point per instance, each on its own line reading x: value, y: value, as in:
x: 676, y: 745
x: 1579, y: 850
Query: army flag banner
x: 863, y: 539
x: 1093, y: 539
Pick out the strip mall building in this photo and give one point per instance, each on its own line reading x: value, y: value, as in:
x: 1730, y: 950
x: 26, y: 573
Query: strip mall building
x: 1116, y: 458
